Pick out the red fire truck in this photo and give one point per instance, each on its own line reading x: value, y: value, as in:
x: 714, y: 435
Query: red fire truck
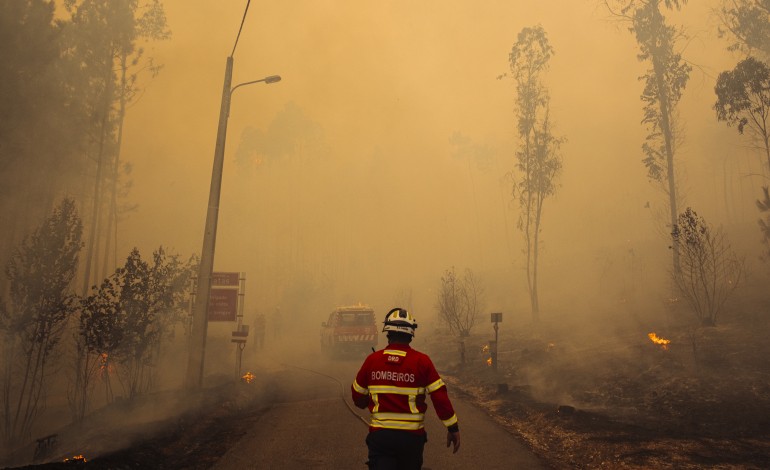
x: 350, y: 330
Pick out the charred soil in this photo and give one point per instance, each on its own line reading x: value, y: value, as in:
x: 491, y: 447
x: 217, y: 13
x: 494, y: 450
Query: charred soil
x: 590, y: 401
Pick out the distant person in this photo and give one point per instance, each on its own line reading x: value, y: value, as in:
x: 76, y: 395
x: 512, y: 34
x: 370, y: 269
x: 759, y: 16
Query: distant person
x: 276, y: 321
x: 393, y: 383
x: 259, y: 331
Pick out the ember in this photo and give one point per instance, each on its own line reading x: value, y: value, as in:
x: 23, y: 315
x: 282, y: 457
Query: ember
x: 77, y: 458
x: 662, y: 342
x: 489, y: 361
x: 248, y: 377
x: 105, y: 367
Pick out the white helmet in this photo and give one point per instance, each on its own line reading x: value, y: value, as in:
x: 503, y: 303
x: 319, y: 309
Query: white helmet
x: 400, y: 321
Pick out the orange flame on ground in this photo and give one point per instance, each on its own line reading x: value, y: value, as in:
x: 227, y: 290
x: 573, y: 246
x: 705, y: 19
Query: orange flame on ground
x: 105, y: 367
x: 489, y: 361
x: 248, y: 377
x: 77, y: 458
x: 655, y: 339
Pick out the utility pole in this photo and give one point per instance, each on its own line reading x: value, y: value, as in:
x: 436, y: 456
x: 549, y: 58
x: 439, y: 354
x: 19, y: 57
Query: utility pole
x: 202, y: 293
x: 200, y: 309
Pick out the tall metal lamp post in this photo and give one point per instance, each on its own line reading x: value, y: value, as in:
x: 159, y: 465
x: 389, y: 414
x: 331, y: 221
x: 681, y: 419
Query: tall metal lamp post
x: 197, y: 351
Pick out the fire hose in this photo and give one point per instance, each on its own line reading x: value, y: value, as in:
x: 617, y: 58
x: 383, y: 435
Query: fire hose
x: 342, y: 391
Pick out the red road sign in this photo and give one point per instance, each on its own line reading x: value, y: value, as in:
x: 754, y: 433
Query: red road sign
x: 223, y: 304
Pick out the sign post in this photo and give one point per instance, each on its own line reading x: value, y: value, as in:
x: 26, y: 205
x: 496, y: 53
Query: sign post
x: 239, y: 338
x: 225, y: 304
x: 241, y: 332
x: 496, y: 318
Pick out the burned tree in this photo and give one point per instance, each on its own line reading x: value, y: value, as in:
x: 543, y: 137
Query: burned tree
x: 459, y: 301
x: 709, y: 269
x: 538, y: 162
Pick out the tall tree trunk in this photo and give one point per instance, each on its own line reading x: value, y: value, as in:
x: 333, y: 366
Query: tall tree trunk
x: 97, y: 203
x: 112, y: 221
x: 668, y: 137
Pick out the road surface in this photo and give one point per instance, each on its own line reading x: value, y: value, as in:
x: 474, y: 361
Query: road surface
x: 311, y: 426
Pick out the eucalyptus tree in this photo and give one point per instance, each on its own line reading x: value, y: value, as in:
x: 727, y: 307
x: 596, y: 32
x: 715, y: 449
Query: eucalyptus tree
x: 743, y: 101
x: 664, y: 83
x: 747, y: 22
x: 104, y: 39
x: 538, y: 160
x: 40, y: 271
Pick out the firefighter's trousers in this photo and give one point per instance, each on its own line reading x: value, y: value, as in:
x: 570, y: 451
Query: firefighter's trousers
x: 390, y: 449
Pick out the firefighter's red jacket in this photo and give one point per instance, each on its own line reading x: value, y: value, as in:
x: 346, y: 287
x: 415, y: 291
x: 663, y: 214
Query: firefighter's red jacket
x: 394, y: 382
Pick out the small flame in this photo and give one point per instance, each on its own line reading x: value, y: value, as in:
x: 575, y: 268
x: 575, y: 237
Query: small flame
x: 489, y: 361
x: 105, y: 367
x: 485, y: 348
x: 248, y: 377
x: 655, y: 339
x: 77, y: 458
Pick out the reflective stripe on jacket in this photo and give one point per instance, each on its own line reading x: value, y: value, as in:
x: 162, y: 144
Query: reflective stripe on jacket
x: 395, y: 381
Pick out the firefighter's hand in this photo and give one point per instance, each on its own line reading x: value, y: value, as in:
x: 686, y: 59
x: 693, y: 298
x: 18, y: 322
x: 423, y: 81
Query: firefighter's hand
x: 361, y: 401
x: 453, y: 438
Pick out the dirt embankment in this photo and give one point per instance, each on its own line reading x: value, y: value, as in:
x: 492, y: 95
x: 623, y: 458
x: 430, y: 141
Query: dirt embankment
x: 165, y: 431
x: 703, y: 400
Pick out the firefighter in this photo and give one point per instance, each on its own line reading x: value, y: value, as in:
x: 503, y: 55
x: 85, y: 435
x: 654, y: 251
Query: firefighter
x: 393, y: 383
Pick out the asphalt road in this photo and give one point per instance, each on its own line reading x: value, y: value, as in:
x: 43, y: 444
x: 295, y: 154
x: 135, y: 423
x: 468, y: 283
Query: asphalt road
x: 309, y: 426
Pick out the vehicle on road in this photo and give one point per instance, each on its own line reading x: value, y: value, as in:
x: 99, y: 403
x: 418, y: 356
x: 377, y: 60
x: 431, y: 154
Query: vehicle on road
x: 349, y: 331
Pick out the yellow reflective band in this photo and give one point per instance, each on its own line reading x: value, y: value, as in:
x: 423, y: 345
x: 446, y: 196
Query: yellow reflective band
x: 360, y: 389
x: 395, y: 352
x: 405, y: 425
x: 413, y: 404
x: 450, y: 421
x: 398, y: 416
x: 376, y: 402
x: 435, y: 386
x: 396, y: 390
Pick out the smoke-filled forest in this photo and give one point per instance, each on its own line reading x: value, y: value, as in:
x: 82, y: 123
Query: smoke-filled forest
x: 596, y: 170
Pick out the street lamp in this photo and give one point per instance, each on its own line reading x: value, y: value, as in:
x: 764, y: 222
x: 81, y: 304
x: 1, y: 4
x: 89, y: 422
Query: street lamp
x: 197, y: 350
